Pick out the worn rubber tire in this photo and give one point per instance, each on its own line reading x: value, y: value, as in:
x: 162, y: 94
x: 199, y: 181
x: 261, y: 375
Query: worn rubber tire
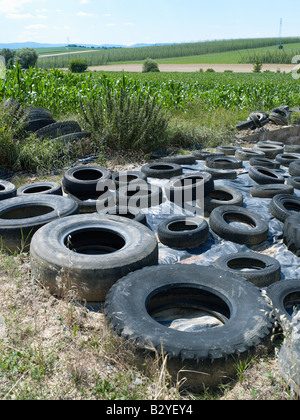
x: 280, y: 205
x: 82, y: 180
x: 93, y: 204
x: 270, y: 190
x: 264, y: 176
x: 240, y: 235
x: 203, y: 154
x: 228, y: 150
x: 7, y: 190
x: 270, y: 151
x: 128, y: 212
x: 221, y: 173
x: 72, y: 137
x: 35, y: 125
x: 223, y: 162
x: 294, y: 168
x: 26, y: 214
x: 206, y: 358
x: 139, y: 196
x: 190, y: 187
x: 162, y: 170
x: 265, y: 163
x: 247, y: 154
x: 58, y: 129
x: 89, y: 253
x: 222, y: 195
x: 181, y: 159
x: 121, y: 179
x: 286, y: 159
x: 182, y: 232
x: 262, y: 270
x: 291, y: 234
x: 292, y: 148
x: 294, y: 181
x: 51, y: 188
x: 284, y: 295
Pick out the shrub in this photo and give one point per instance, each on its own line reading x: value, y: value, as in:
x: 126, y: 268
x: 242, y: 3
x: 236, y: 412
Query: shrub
x: 121, y: 122
x: 257, y: 67
x: 26, y: 57
x: 150, y: 65
x: 78, y: 65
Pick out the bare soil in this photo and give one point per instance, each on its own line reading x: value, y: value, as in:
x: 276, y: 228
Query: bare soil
x: 189, y: 68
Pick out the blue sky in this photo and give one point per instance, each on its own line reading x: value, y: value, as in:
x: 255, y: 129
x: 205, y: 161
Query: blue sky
x: 128, y: 22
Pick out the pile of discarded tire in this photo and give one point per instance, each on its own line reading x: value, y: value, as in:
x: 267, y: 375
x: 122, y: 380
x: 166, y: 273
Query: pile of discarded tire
x: 258, y: 119
x: 89, y: 241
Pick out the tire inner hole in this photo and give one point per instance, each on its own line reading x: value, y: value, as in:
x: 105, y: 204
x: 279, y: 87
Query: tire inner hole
x: 2, y: 188
x: 94, y: 242
x: 239, y: 221
x: 26, y: 212
x: 181, y: 226
x: 185, y: 182
x: 246, y: 264
x: 36, y: 190
x: 292, y: 207
x: 220, y: 196
x: 88, y: 175
x: 188, y: 309
x: 292, y: 303
x: 266, y: 173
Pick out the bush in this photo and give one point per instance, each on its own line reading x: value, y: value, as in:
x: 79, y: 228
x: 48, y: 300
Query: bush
x: 120, y: 122
x: 26, y: 57
x: 150, y: 65
x: 78, y: 65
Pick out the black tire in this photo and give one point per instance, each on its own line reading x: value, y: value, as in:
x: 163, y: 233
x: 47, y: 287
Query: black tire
x: 89, y: 253
x: 292, y: 148
x: 92, y: 204
x: 7, y: 190
x: 294, y: 168
x: 259, y: 269
x: 203, y: 154
x: 247, y: 154
x: 35, y: 125
x: 190, y: 187
x: 162, y: 170
x: 270, y: 151
x: 121, y: 179
x: 58, y: 129
x: 284, y: 296
x: 72, y: 137
x: 270, y: 143
x: 294, y: 181
x: 228, y: 150
x: 222, y: 195
x: 291, y: 234
x: 204, y: 356
x: 139, y: 196
x: 259, y: 118
x: 270, y: 190
x: 263, y: 176
x: 284, y: 205
x: 181, y: 232
x: 241, y: 235
x: 245, y: 125
x: 223, y: 162
x: 181, y: 159
x: 221, y: 173
x: 32, y: 114
x: 277, y: 119
x: 51, y: 188
x: 21, y: 217
x: 286, y: 159
x: 265, y: 163
x: 82, y: 180
x: 128, y: 212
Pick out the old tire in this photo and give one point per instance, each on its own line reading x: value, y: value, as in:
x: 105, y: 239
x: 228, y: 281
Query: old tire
x: 21, y: 217
x: 270, y: 190
x: 58, y: 129
x: 89, y: 253
x: 181, y: 159
x: 247, y: 154
x: 259, y: 269
x: 294, y: 168
x: 121, y: 179
x: 51, y: 188
x: 291, y: 233
x: 222, y: 195
x: 223, y: 162
x: 241, y: 234
x: 190, y: 187
x: 128, y: 212
x: 162, y: 170
x: 286, y: 159
x: 294, y: 181
x: 182, y: 232
x: 271, y: 151
x: 264, y: 176
x: 82, y: 180
x: 139, y: 196
x: 284, y: 205
x: 7, y: 190
x: 138, y: 305
x: 265, y: 163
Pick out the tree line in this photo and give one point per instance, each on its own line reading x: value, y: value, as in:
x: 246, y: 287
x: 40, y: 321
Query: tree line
x: 26, y: 57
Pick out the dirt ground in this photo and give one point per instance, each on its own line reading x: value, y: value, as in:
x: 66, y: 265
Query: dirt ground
x: 188, y: 68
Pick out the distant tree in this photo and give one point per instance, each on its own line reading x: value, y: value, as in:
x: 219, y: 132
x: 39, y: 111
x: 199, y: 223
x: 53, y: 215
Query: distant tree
x: 150, y: 65
x: 257, y: 67
x: 9, y: 56
x: 78, y: 65
x: 26, y: 57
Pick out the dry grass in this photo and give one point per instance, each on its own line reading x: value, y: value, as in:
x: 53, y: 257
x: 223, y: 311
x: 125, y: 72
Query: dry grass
x: 57, y: 349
